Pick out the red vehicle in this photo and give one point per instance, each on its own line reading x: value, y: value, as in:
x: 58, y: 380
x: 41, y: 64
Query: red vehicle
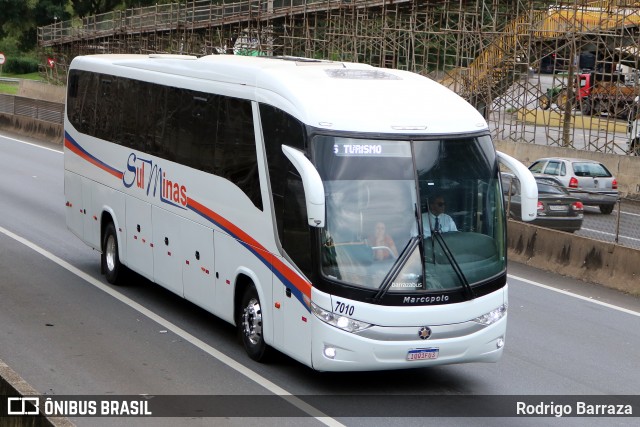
x: 595, y: 94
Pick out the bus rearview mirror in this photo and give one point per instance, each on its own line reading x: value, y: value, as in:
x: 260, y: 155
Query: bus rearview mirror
x: 312, y: 184
x: 528, y: 186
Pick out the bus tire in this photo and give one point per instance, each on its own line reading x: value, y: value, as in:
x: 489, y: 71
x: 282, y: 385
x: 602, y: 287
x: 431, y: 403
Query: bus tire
x: 250, y: 325
x: 110, y: 259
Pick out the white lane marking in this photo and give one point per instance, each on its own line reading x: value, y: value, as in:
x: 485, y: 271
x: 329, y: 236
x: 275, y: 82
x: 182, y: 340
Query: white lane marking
x: 255, y: 377
x: 571, y: 294
x: 31, y: 144
x: 609, y: 234
x: 629, y: 213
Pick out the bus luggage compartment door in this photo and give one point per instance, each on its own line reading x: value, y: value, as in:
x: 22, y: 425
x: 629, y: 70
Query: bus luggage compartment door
x: 198, y: 274
x: 73, y: 196
x: 139, y: 237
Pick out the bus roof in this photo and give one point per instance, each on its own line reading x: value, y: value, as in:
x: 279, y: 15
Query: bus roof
x: 325, y: 94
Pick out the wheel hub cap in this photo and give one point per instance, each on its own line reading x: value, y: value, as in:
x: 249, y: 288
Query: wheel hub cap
x: 110, y: 252
x: 252, y: 321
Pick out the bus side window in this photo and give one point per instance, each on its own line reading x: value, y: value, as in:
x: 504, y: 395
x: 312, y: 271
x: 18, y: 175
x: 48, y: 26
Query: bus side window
x: 235, y: 147
x: 289, y: 207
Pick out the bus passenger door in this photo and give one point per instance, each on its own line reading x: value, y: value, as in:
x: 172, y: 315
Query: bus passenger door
x: 198, y: 274
x: 297, y: 329
x: 167, y: 256
x: 73, y: 196
x: 139, y: 237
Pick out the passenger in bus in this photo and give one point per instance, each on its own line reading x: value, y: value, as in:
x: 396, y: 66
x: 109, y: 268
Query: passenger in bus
x: 382, y: 244
x: 435, y: 219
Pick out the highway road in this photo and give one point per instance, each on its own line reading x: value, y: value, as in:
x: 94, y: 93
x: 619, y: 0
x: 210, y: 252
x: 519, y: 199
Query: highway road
x: 67, y: 332
x: 608, y: 227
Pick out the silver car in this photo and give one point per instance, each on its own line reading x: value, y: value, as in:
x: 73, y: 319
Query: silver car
x: 588, y: 180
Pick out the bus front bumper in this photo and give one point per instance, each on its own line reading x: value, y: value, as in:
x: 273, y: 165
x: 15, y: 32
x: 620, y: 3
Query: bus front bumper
x: 336, y: 350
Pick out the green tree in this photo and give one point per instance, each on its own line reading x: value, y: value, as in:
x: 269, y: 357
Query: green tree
x: 20, y: 18
x: 93, y: 7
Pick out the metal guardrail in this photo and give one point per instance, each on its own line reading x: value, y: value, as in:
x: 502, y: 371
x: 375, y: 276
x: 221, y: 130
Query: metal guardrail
x: 27, y: 107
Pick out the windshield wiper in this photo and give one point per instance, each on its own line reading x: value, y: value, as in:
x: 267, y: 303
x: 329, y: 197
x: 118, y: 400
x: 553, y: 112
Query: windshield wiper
x: 436, y: 235
x: 408, y: 250
x: 395, y: 270
x: 454, y: 264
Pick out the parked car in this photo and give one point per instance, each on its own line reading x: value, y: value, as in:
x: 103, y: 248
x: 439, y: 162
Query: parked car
x: 557, y: 208
x: 588, y: 180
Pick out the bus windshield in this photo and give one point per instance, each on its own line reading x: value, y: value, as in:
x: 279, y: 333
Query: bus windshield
x: 411, y: 215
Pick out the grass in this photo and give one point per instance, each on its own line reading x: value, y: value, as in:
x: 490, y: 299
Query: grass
x: 30, y: 76
x: 11, y: 88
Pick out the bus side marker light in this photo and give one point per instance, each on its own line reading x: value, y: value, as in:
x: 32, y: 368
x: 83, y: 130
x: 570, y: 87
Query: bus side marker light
x: 277, y: 305
x: 304, y: 319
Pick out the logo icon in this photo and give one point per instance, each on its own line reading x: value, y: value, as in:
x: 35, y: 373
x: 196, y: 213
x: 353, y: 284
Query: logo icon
x: 23, y: 406
x: 424, y: 332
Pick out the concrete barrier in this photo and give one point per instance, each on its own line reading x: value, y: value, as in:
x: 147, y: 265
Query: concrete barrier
x: 626, y: 169
x: 11, y: 384
x: 28, y: 126
x: 604, y: 263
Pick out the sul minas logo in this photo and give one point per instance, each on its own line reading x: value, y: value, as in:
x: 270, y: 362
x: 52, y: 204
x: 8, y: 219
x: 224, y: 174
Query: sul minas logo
x: 147, y: 176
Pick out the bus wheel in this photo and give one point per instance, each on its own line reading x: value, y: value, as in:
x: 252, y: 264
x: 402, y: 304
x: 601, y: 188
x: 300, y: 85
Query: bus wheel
x: 250, y: 325
x: 110, y: 260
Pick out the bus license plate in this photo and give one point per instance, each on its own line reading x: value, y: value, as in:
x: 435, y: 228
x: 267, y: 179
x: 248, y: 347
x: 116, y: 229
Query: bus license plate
x: 423, y: 354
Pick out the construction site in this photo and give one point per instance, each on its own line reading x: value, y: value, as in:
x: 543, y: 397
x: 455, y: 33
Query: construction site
x: 560, y: 73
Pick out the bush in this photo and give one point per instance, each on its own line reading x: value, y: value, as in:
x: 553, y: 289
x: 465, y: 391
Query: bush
x: 23, y: 65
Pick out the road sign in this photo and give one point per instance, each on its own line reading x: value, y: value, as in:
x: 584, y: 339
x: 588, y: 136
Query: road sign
x: 2, y: 58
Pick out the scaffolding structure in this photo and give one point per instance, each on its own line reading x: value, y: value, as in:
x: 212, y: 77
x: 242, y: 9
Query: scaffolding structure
x: 503, y: 56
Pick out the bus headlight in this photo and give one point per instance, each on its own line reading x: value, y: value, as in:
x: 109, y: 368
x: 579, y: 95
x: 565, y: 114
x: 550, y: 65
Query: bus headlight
x: 493, y: 316
x: 340, y: 322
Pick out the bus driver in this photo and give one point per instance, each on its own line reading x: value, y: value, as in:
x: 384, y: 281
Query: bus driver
x: 437, y: 219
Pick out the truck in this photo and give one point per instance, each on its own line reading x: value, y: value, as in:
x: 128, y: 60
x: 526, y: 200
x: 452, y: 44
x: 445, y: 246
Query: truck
x: 594, y: 94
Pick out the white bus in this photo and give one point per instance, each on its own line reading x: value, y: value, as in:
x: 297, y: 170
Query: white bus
x: 257, y: 188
